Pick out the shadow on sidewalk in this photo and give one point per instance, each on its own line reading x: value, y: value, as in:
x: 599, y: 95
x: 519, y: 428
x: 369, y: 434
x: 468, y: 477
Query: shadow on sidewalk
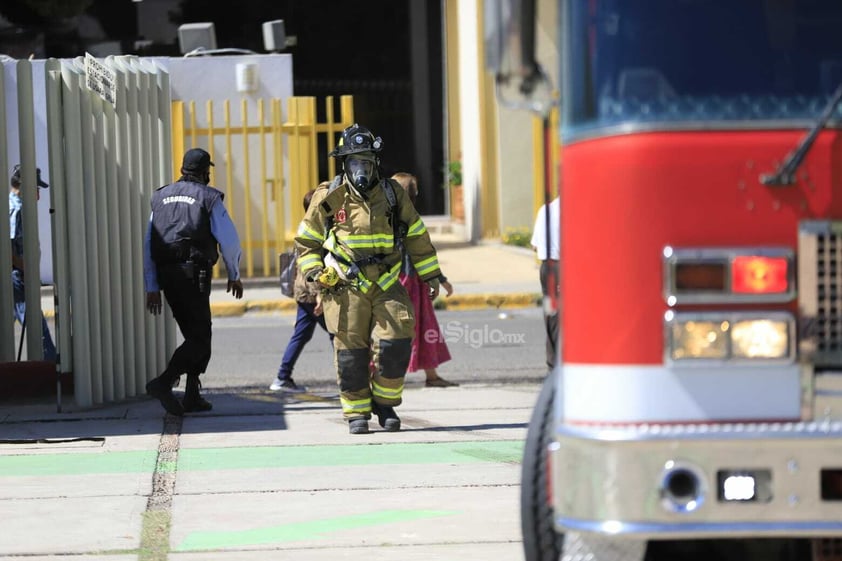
x: 38, y: 423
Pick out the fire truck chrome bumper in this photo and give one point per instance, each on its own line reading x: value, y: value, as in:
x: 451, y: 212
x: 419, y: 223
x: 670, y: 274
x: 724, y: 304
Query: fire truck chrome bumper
x: 762, y: 480
x: 701, y: 530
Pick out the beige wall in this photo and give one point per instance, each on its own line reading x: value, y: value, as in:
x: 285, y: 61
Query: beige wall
x: 497, y: 144
x: 515, y: 168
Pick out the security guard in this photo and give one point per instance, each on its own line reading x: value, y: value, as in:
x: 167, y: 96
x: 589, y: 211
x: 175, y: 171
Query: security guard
x: 187, y: 224
x: 351, y: 241
x: 16, y: 231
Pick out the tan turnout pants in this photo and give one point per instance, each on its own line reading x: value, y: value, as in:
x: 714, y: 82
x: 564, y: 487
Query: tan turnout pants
x: 370, y: 329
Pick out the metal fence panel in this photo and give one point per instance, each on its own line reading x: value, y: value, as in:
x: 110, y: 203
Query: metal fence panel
x: 106, y: 159
x: 7, y: 339
x: 31, y: 245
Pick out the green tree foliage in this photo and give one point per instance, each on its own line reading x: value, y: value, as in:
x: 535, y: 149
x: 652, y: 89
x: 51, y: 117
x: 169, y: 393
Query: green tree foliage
x: 454, y: 172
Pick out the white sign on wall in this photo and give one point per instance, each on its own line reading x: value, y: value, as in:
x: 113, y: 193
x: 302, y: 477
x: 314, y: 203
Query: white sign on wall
x: 100, y: 79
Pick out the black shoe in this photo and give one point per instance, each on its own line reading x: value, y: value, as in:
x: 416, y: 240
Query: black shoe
x: 161, y: 389
x: 386, y: 416
x: 358, y: 426
x: 193, y: 402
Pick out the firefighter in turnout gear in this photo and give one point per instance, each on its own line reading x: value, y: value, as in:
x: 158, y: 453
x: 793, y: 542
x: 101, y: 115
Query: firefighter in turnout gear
x: 365, y: 228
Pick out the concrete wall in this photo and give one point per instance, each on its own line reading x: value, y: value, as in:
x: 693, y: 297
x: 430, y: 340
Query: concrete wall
x: 215, y: 77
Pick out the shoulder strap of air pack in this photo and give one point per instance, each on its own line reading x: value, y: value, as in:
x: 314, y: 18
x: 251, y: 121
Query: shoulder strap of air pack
x: 394, y: 212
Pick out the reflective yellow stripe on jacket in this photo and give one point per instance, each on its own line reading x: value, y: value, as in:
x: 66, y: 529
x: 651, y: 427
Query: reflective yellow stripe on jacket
x: 378, y: 243
x: 309, y: 261
x: 416, y: 229
x: 383, y: 243
x: 390, y: 277
x: 427, y: 266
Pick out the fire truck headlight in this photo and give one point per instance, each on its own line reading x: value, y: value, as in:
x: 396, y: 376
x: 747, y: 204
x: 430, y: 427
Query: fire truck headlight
x: 760, y: 338
x: 699, y: 339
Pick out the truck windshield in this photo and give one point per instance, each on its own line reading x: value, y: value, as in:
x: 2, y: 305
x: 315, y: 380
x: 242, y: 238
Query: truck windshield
x: 691, y: 63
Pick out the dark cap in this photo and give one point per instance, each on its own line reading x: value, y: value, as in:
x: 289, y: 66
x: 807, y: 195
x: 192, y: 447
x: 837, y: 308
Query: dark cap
x: 196, y: 160
x: 16, y: 178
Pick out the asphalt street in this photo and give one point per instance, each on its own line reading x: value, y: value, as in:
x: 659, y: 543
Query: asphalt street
x: 488, y: 346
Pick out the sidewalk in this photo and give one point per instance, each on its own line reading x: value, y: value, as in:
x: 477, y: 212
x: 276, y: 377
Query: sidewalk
x: 486, y: 275
x: 268, y: 476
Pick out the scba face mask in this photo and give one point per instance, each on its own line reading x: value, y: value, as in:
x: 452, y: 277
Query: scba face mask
x: 360, y: 172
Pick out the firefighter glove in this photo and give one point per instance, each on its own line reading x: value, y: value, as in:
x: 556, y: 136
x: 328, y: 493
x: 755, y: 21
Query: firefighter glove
x: 328, y: 277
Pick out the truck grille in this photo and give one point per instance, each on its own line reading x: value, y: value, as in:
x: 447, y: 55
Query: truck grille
x: 820, y: 292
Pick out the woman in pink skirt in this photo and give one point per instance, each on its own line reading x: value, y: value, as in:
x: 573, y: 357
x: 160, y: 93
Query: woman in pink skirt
x: 429, y: 349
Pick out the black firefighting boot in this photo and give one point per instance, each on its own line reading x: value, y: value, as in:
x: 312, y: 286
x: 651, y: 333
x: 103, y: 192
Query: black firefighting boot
x: 192, y: 401
x: 386, y: 416
x: 358, y: 426
x: 161, y: 389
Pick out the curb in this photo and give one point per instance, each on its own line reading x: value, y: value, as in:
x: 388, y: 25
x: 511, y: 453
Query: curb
x: 484, y: 301
x: 463, y: 302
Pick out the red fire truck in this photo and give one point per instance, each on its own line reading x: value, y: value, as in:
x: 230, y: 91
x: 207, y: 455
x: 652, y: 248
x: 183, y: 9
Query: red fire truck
x: 695, y: 410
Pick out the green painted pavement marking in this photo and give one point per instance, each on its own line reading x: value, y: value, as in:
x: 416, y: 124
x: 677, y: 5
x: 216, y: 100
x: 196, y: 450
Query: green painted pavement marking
x: 143, y: 461
x: 82, y: 463
x: 315, y: 529
x: 349, y: 455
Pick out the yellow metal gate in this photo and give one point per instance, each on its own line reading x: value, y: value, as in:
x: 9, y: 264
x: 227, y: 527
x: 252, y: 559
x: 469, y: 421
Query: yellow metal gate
x: 264, y: 163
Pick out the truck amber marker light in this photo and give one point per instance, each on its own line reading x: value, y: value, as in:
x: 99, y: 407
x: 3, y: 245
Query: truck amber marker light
x: 728, y: 275
x: 753, y: 274
x: 701, y: 276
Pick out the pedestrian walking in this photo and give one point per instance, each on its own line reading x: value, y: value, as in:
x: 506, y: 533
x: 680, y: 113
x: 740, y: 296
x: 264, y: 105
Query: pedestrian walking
x: 308, y: 315
x: 16, y: 234
x: 351, y: 241
x: 549, y: 269
x: 429, y: 349
x: 188, y: 228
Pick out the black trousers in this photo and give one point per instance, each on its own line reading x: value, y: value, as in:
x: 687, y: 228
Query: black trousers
x: 550, y: 316
x: 191, y: 310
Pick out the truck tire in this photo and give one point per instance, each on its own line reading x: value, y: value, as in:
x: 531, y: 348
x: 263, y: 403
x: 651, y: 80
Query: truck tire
x: 540, y: 540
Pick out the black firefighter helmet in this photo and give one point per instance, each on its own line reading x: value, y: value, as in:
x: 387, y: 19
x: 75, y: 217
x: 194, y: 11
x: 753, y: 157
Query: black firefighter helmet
x: 354, y: 140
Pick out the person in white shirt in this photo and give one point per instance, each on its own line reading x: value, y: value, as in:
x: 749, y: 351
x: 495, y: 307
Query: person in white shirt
x: 549, y: 268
